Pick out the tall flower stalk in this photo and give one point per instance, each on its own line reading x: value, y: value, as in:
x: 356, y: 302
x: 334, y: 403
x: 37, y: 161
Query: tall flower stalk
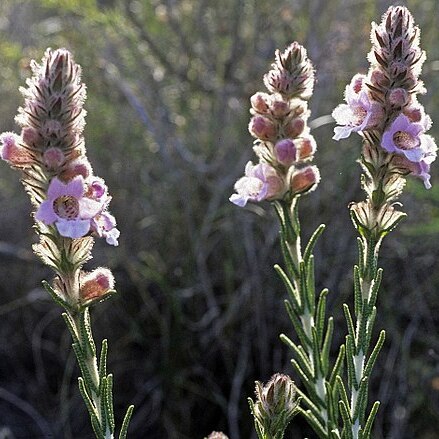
x: 283, y: 175
x: 70, y: 209
x: 382, y: 107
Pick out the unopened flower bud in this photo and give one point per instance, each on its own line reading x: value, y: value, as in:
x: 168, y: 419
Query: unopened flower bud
x: 30, y: 136
x: 262, y: 128
x: 286, y: 152
x: 96, y: 285
x: 398, y: 97
x: 12, y: 152
x: 53, y: 158
x: 307, y: 148
x: 259, y: 102
x: 294, y: 127
x: 279, y: 109
x: 276, y: 404
x: 80, y: 166
x: 305, y: 179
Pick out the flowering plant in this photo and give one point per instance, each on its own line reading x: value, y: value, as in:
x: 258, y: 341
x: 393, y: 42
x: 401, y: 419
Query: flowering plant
x: 71, y: 207
x: 382, y: 107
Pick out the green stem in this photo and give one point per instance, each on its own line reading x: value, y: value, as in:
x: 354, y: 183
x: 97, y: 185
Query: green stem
x: 311, y: 359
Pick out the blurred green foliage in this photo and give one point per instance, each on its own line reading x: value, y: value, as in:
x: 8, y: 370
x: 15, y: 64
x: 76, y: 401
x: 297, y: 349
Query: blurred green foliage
x: 199, y: 309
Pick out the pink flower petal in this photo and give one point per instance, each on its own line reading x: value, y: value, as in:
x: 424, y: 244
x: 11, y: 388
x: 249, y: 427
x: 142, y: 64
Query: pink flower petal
x: 89, y: 208
x: 73, y: 228
x: 56, y: 189
x: 75, y: 188
x: 45, y: 213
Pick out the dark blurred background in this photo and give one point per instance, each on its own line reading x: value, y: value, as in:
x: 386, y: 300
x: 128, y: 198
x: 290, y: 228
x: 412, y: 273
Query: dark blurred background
x: 199, y: 308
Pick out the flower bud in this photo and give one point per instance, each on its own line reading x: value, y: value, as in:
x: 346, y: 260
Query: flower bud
x: 30, y: 136
x: 305, y: 180
x: 279, y: 109
x: 53, y: 158
x: 398, y: 97
x: 96, y: 285
x: 286, y: 152
x: 12, y: 152
x: 262, y: 128
x: 307, y: 148
x: 294, y: 127
x: 79, y: 166
x: 259, y: 102
x: 276, y: 404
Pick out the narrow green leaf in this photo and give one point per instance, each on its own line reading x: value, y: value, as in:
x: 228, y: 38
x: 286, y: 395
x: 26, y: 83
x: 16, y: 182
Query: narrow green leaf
x: 314, y: 423
x: 126, y: 422
x: 292, y: 270
x: 310, y: 283
x: 71, y: 326
x: 370, y: 324
x: 338, y: 366
x: 352, y: 379
x: 326, y: 346
x: 56, y: 297
x: 102, y: 396
x: 320, y: 314
x: 309, y: 385
x: 103, y: 359
x: 361, y: 251
x: 292, y: 293
x: 312, y: 242
x: 109, y: 402
x: 375, y: 289
x: 303, y: 289
x: 318, y: 370
x: 370, y: 419
x: 362, y: 331
x: 361, y: 405
x: 357, y: 290
x: 310, y: 404
x: 84, y: 369
x: 86, y: 397
x: 298, y: 355
x: 88, y: 344
x: 304, y: 340
x: 97, y: 427
x: 349, y: 321
x: 373, y: 356
x: 347, y: 422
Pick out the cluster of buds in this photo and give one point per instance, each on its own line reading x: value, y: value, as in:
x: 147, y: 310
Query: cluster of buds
x: 382, y: 106
x: 283, y: 142
x: 275, y: 406
x: 71, y: 203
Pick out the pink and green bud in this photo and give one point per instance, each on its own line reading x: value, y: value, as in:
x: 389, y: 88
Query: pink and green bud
x: 285, y: 152
x: 294, y: 127
x: 53, y: 158
x: 398, y: 97
x: 80, y: 166
x: 263, y: 128
x: 279, y: 109
x: 260, y: 102
x: 307, y: 147
x: 304, y: 180
x: 96, y: 285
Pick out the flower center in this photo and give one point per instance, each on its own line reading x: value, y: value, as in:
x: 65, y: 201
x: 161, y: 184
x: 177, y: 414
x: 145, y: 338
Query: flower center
x: 360, y: 114
x: 404, y: 140
x: 66, y: 207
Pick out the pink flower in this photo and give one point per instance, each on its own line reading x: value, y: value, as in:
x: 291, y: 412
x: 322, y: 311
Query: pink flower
x: 360, y: 112
x: 104, y: 226
x: 405, y: 138
x: 11, y: 151
x: 261, y: 182
x: 68, y: 208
